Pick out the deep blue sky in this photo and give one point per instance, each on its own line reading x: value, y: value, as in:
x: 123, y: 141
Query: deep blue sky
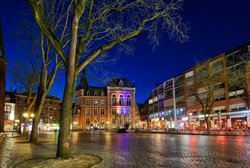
x: 216, y: 26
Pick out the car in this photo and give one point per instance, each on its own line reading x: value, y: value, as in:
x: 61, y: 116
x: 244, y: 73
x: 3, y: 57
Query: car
x: 122, y: 130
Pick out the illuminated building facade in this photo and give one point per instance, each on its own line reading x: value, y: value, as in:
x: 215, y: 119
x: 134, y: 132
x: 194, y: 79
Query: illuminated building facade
x: 104, y: 107
x: 166, y: 104
x: 170, y: 104
x: 50, y: 115
x: 10, y: 119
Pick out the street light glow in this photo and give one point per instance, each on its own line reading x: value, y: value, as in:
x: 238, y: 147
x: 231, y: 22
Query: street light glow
x: 25, y: 115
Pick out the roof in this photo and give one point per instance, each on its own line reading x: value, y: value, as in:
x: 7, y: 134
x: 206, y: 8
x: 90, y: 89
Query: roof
x: 95, y: 91
x: 83, y: 81
x: 10, y: 95
x: 120, y: 82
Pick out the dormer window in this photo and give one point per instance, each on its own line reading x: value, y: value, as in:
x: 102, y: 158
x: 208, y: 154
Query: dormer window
x: 88, y: 93
x: 95, y: 93
x: 102, y: 93
x: 121, y: 84
x: 7, y: 99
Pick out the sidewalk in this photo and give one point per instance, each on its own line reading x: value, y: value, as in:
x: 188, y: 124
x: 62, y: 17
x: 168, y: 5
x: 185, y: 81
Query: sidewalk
x: 17, y: 152
x: 212, y: 133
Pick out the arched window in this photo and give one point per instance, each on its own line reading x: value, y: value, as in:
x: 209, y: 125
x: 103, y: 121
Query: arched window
x: 128, y: 100
x: 121, y: 102
x: 113, y: 100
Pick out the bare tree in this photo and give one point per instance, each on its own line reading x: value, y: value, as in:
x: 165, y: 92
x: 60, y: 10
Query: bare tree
x: 239, y: 76
x: 95, y: 27
x: 208, y: 86
x: 25, y: 82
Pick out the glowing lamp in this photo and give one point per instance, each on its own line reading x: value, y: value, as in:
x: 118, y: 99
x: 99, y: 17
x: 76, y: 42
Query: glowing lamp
x: 25, y: 115
x: 200, y: 116
x: 184, y: 119
x: 32, y: 115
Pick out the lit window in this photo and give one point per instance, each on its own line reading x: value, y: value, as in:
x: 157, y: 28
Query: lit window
x: 95, y: 102
x: 189, y: 74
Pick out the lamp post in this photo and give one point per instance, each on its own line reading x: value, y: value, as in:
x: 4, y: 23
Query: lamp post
x: 26, y: 116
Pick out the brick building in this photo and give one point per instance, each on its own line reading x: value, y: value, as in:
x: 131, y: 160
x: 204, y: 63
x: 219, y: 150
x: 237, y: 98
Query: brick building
x: 106, y: 107
x: 50, y: 115
x: 172, y: 105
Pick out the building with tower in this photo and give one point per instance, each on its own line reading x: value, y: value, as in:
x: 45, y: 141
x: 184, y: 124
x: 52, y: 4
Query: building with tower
x: 106, y: 107
x: 2, y: 81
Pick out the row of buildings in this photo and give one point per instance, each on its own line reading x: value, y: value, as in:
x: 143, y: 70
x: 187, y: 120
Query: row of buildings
x: 184, y: 101
x: 15, y: 112
x: 221, y: 83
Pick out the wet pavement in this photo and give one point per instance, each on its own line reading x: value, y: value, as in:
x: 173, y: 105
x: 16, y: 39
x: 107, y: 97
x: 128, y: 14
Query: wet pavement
x: 140, y: 150
x: 164, y: 150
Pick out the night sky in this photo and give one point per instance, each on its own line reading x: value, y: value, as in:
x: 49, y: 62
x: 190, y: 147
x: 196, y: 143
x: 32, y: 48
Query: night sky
x: 215, y: 26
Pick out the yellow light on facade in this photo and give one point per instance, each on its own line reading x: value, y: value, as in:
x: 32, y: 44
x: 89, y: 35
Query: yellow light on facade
x: 75, y: 123
x: 155, y: 119
x: 32, y: 115
x: 184, y: 119
x: 200, y: 116
x: 17, y: 121
x: 25, y: 115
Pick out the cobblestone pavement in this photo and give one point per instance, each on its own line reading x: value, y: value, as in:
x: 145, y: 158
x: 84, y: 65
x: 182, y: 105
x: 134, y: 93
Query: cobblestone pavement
x: 163, y: 150
x: 141, y: 150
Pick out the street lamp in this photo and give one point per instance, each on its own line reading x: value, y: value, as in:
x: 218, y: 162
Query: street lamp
x: 26, y: 116
x: 32, y: 115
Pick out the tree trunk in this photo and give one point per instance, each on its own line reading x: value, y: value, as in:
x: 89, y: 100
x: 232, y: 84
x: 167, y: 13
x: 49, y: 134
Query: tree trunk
x: 207, y: 123
x: 63, y: 146
x: 25, y: 127
x: 37, y: 111
x: 41, y: 94
x: 34, y: 132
